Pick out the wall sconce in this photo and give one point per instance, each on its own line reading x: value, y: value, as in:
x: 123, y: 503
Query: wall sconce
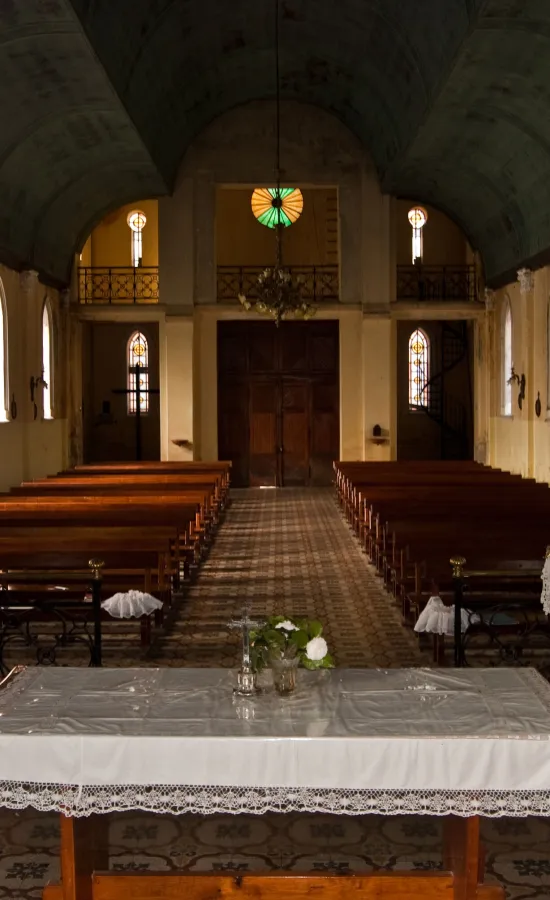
x: 34, y: 384
x: 520, y: 381
x: 379, y: 436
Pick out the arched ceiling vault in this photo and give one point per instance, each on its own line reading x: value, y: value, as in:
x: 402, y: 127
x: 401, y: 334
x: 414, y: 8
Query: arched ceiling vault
x: 100, y: 100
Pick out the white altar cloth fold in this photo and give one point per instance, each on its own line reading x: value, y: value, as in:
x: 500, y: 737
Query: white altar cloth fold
x: 404, y: 740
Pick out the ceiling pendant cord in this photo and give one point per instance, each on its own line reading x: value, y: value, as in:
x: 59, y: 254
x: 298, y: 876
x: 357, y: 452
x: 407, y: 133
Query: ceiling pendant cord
x: 279, y: 249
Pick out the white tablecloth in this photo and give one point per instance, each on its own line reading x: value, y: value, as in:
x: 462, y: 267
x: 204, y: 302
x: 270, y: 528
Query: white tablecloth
x: 348, y: 740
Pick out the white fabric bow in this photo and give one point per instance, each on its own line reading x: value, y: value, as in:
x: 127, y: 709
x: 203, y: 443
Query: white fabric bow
x: 131, y: 605
x: 436, y: 618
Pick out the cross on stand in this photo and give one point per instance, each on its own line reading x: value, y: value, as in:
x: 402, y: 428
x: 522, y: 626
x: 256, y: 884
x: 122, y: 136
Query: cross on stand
x: 139, y: 392
x: 246, y: 677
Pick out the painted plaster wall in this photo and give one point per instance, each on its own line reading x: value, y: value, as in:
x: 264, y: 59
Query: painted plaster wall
x: 32, y: 448
x: 110, y: 242
x: 243, y: 241
x: 443, y: 241
x: 521, y: 442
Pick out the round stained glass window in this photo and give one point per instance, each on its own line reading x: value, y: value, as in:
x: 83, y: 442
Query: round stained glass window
x: 268, y: 204
x: 136, y: 220
x: 418, y: 217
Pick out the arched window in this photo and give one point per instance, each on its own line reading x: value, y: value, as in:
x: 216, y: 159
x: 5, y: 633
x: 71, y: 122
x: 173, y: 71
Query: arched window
x: 47, y: 365
x: 506, y: 358
x: 138, y: 364
x: 417, y: 218
x: 137, y: 221
x: 419, y: 369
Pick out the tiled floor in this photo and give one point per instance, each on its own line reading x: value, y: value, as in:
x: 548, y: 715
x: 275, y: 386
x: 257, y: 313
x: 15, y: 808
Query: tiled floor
x: 289, y: 551
x: 279, y: 551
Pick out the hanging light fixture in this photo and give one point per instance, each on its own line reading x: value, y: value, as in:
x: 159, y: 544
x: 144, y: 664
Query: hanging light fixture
x: 276, y: 293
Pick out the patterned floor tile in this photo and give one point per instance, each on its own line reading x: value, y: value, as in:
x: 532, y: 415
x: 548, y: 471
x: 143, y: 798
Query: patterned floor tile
x: 285, y: 551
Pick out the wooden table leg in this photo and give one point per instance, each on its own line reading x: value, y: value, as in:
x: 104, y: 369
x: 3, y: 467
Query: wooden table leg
x: 84, y: 850
x: 464, y: 857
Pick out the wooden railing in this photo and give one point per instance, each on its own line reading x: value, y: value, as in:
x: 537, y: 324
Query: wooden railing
x: 118, y: 284
x: 318, y: 284
x: 436, y: 283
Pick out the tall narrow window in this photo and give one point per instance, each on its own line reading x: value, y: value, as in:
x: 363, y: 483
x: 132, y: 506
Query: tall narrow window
x: 419, y: 370
x: 417, y: 218
x: 47, y: 367
x: 506, y: 359
x: 137, y: 220
x: 3, y: 357
x: 138, y: 367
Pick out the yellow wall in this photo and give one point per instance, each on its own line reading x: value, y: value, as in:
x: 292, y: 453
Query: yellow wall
x: 521, y: 442
x: 110, y: 242
x: 443, y: 242
x: 243, y: 241
x: 32, y: 448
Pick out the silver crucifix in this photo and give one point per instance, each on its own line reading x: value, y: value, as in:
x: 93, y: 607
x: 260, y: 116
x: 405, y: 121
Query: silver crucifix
x: 246, y: 677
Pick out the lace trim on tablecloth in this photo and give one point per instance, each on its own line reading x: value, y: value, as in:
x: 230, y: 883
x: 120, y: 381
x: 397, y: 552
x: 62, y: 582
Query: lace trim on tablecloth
x: 83, y: 801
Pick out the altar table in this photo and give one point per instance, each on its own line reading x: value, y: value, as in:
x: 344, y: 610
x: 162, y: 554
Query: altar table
x: 458, y: 744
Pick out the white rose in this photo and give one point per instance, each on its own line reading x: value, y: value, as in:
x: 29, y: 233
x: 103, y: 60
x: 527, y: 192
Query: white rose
x: 316, y: 649
x: 287, y: 625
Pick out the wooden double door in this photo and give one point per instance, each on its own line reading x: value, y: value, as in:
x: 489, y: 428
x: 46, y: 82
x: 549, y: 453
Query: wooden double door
x: 278, y: 401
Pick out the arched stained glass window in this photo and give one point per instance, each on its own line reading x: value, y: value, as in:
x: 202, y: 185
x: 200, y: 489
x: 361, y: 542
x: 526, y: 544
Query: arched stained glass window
x: 3, y: 357
x: 137, y: 221
x: 506, y: 358
x: 47, y: 367
x: 269, y: 203
x: 138, y: 373
x: 419, y: 369
x: 417, y: 218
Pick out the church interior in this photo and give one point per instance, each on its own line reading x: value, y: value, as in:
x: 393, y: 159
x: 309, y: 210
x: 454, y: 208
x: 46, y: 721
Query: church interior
x: 274, y: 449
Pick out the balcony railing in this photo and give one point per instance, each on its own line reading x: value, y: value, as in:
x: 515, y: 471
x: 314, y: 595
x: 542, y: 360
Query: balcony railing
x: 127, y: 285
x: 318, y: 284
x: 118, y: 284
x: 437, y: 283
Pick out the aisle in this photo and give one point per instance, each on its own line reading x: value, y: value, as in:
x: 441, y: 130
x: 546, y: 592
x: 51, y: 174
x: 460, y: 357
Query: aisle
x: 288, y: 551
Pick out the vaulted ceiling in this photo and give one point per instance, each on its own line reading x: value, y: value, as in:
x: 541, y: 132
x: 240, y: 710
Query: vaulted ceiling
x: 99, y: 100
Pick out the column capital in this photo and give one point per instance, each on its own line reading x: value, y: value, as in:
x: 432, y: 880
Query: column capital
x: 489, y: 298
x: 526, y: 278
x: 28, y: 280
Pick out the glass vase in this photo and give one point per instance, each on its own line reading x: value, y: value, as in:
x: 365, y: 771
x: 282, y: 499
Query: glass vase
x: 284, y: 666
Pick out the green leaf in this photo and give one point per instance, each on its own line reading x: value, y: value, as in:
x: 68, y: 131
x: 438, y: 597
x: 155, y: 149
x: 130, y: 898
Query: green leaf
x: 275, y: 636
x: 299, y: 638
x: 327, y: 662
x: 309, y: 663
x: 315, y: 629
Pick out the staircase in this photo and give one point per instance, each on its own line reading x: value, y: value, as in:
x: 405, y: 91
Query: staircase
x: 447, y: 411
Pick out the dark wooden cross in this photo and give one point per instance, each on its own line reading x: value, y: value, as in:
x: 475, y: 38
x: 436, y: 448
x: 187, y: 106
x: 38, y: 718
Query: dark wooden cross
x: 139, y: 391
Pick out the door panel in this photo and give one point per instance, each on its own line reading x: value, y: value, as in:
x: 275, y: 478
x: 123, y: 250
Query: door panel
x: 233, y: 427
x: 325, y: 431
x: 279, y: 388
x: 263, y: 433
x: 295, y: 432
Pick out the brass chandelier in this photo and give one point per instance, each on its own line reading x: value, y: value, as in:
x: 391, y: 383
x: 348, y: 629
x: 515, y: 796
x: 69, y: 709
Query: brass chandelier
x: 276, y: 293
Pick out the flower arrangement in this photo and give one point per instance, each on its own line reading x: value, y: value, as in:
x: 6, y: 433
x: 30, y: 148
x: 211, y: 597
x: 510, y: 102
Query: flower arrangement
x: 286, y: 637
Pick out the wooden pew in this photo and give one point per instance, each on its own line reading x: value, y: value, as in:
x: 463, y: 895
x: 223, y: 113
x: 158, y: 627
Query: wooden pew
x: 410, y: 516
